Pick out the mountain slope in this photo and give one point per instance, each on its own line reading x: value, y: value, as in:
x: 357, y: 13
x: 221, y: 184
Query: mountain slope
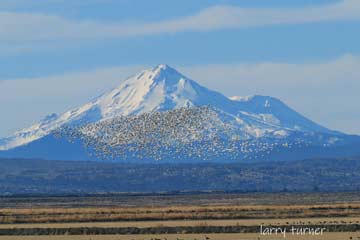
x: 163, y: 89
x: 160, y: 89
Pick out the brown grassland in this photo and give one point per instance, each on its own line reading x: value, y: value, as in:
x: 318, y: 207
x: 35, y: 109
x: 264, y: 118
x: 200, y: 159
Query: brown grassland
x: 111, y: 214
x: 232, y: 236
x: 205, y: 216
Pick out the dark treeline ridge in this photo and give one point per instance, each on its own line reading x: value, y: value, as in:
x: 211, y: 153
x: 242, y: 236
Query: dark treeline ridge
x: 21, y: 177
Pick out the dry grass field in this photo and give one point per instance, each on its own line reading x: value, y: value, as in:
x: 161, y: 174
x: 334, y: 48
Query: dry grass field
x: 233, y: 236
x: 205, y: 216
x: 179, y: 223
x: 106, y: 214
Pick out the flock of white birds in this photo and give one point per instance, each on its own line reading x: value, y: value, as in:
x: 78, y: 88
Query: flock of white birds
x: 184, y: 133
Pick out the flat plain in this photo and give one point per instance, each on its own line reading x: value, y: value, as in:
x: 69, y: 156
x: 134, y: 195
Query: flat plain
x: 205, y: 215
x: 232, y: 236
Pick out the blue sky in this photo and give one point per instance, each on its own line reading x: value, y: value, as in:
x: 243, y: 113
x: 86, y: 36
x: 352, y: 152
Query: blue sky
x: 57, y: 54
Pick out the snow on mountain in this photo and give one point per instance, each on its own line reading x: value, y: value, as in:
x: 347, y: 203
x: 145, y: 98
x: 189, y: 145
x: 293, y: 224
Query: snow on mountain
x: 163, y: 88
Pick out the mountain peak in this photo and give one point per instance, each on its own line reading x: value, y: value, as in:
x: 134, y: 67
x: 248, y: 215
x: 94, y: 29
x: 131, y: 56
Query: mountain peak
x: 162, y: 67
x: 160, y: 74
x: 255, y: 97
x: 163, y: 88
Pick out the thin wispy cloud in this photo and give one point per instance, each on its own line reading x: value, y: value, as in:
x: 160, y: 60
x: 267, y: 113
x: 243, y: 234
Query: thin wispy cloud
x: 21, y: 4
x: 18, y: 27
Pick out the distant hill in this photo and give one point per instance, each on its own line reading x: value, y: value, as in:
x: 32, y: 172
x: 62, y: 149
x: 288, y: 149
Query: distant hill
x: 25, y: 176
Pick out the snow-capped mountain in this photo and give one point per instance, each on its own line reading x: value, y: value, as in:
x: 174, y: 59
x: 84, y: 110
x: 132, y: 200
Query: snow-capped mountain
x: 163, y: 88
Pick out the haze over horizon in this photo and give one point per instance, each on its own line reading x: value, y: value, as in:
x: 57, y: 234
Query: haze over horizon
x: 59, y: 54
